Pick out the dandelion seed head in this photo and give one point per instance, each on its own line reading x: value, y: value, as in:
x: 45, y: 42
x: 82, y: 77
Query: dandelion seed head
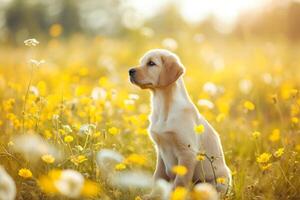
x: 31, y: 42
x: 70, y: 183
x: 107, y: 159
x: 36, y: 63
x: 7, y: 186
x: 205, y: 191
x: 128, y: 179
x: 87, y: 129
x: 33, y: 146
x: 245, y: 86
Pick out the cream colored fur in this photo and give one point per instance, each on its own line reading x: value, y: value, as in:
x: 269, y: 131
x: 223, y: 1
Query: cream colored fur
x: 172, y: 123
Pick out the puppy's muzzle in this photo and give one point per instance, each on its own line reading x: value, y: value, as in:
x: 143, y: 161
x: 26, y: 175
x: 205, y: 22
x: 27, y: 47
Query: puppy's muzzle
x: 132, y: 73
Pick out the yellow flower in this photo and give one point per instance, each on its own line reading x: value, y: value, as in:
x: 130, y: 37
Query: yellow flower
x: 25, y: 173
x: 265, y: 166
x: 10, y: 143
x: 199, y: 129
x: 113, y: 130
x: 297, y: 147
x: 179, y: 170
x: 96, y: 134
x: 78, y: 159
x: 120, y: 167
x: 55, y: 30
x: 90, y: 189
x: 279, y: 152
x: 68, y: 138
x: 249, y: 105
x: 135, y: 159
x: 221, y: 180
x: 180, y: 193
x: 275, y: 135
x: 295, y: 120
x: 138, y: 198
x: 220, y: 117
x: 263, y: 158
x: 62, y: 131
x: 47, y: 182
x: 200, y: 157
x: 255, y: 134
x: 47, y: 158
x: 47, y: 134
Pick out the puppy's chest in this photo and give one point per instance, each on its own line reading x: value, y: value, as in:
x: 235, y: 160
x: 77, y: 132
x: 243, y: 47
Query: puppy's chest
x: 162, y: 133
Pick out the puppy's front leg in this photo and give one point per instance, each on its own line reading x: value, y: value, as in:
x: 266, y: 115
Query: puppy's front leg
x: 187, y: 159
x: 159, y: 173
x: 160, y: 170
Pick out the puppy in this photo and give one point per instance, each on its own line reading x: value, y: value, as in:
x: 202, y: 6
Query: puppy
x: 172, y: 123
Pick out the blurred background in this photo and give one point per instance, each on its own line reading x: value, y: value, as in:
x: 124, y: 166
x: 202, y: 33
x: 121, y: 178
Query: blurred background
x: 242, y: 60
x: 21, y: 19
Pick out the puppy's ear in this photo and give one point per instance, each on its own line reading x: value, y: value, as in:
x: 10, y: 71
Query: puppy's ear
x: 172, y: 70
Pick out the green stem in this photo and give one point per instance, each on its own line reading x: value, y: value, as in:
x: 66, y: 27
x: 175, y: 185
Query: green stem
x: 287, y: 180
x: 26, y: 97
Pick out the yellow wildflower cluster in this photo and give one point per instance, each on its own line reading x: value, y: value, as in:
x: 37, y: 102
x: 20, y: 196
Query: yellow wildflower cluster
x: 80, y: 102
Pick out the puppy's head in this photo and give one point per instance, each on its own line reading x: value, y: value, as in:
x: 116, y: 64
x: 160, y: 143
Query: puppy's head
x: 158, y: 68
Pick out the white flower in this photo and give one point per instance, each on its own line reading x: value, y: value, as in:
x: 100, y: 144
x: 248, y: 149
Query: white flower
x: 206, y: 103
x: 7, y: 186
x: 163, y: 188
x: 147, y: 32
x: 129, y: 102
x: 34, y: 90
x: 33, y: 146
x: 86, y: 129
x: 210, y: 88
x: 67, y: 128
x: 70, y: 183
x: 99, y: 93
x: 31, y: 42
x: 36, y: 62
x: 55, y: 118
x: 199, y: 38
x: 267, y: 78
x: 127, y: 179
x: 133, y: 96
x: 107, y: 159
x: 170, y: 44
x: 205, y: 191
x: 245, y: 86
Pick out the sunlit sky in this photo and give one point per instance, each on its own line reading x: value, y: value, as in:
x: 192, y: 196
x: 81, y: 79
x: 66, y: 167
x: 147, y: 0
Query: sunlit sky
x: 225, y: 12
x: 197, y: 10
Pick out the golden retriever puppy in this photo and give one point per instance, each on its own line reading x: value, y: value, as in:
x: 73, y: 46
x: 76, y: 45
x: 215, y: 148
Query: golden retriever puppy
x: 172, y: 123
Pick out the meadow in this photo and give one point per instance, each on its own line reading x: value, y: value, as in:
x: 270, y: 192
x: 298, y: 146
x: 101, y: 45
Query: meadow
x: 58, y: 114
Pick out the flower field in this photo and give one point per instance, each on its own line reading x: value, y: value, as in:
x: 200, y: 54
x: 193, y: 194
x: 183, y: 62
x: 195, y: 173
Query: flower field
x: 73, y: 126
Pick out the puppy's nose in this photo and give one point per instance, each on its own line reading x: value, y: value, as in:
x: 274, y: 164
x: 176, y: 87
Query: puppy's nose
x: 132, y: 72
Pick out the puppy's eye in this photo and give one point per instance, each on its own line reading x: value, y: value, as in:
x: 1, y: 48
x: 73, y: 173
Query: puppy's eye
x: 151, y: 63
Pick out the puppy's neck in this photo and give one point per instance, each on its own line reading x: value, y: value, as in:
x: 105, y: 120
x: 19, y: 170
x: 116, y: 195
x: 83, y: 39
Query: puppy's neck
x: 165, y: 99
